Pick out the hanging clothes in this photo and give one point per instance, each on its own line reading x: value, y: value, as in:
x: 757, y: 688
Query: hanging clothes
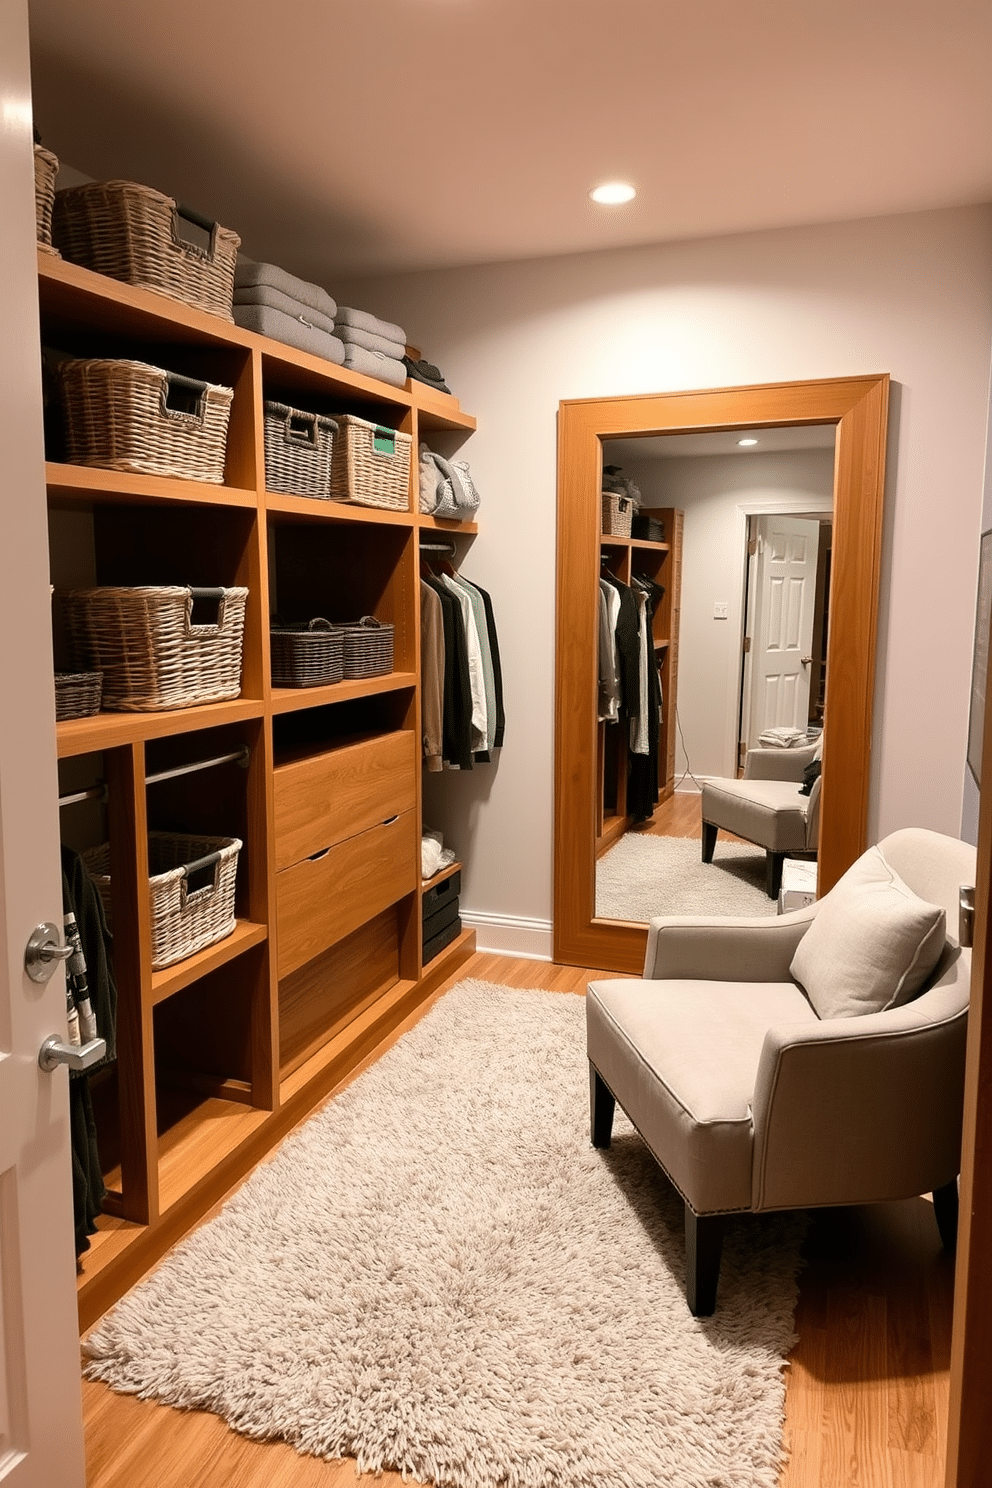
x: 80, y: 898
x: 476, y: 675
x: 432, y: 666
x: 457, y: 692
x: 609, y: 661
x: 470, y: 678
x: 642, y: 772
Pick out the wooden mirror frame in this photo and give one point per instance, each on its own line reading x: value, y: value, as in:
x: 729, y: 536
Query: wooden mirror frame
x: 858, y: 406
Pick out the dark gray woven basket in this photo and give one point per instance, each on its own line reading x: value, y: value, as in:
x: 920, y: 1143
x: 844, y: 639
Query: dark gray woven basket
x: 307, y: 656
x: 298, y: 449
x: 368, y: 648
x: 77, y: 694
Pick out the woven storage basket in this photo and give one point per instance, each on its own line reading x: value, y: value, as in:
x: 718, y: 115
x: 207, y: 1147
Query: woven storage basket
x: 77, y: 694
x: 184, y: 920
x: 46, y: 168
x: 368, y: 648
x: 371, y: 464
x: 307, y: 656
x: 298, y: 449
x: 151, y: 653
x: 130, y: 416
x: 617, y: 514
x: 131, y: 232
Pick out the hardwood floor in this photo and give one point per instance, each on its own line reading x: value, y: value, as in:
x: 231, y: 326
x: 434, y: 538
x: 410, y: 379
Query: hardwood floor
x: 866, y: 1389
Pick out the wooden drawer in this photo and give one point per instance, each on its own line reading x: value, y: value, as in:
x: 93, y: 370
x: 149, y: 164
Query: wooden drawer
x: 323, y: 899
x: 328, y: 797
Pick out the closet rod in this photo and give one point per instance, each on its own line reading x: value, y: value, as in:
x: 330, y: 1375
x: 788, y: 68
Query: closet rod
x: 242, y: 756
x: 99, y: 791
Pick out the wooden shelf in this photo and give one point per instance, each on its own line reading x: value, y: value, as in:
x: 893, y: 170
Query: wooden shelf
x: 285, y: 367
x: 173, y: 978
x: 449, y: 872
x: 313, y: 509
x: 83, y: 484
x: 291, y: 699
x: 438, y: 410
x: 112, y: 730
x: 443, y: 524
x: 199, y: 1142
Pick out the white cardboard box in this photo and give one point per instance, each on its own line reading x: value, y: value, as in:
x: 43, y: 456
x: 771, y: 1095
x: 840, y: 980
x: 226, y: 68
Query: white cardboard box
x: 798, y: 885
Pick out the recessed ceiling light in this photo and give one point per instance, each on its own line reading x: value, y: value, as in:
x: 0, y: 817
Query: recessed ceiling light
x: 744, y: 442
x: 613, y: 193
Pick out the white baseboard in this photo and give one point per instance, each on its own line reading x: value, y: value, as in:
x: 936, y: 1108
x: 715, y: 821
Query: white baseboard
x: 510, y: 935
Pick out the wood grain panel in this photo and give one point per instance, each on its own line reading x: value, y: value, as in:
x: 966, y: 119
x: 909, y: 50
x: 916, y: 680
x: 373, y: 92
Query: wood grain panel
x: 323, y: 996
x: 323, y: 799
x: 321, y: 900
x: 858, y: 407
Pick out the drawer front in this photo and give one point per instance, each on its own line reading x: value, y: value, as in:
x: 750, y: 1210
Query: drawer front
x: 323, y: 899
x: 329, y: 797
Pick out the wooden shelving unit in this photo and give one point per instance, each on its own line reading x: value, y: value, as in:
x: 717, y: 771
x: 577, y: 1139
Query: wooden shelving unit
x: 662, y: 561
x: 219, y: 1055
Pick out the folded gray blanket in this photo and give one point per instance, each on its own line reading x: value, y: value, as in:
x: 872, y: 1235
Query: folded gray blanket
x: 264, y: 294
x: 291, y: 331
x: 374, y: 364
x: 352, y: 336
x: 363, y: 321
x: 248, y: 273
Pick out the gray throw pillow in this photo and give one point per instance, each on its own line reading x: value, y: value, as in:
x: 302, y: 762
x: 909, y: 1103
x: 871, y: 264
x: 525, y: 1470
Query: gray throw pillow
x: 872, y: 944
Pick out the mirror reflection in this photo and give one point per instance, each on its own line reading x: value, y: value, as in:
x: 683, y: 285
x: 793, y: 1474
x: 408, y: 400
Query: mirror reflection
x: 714, y: 613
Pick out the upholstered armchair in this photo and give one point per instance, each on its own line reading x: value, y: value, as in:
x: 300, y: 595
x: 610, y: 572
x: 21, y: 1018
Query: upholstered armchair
x: 766, y: 807
x: 809, y: 1059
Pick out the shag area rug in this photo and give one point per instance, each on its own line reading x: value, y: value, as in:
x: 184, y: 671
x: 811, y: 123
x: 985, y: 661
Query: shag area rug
x: 438, y: 1274
x: 644, y: 876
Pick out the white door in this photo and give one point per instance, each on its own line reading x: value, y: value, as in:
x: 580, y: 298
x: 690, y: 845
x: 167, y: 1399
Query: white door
x: 40, y: 1413
x: 782, y: 634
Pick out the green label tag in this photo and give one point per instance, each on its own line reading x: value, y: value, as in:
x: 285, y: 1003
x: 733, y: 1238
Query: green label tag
x: 384, y: 441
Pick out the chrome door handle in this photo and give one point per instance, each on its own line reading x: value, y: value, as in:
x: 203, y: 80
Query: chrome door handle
x: 55, y: 1051
x: 805, y: 660
x: 43, y: 953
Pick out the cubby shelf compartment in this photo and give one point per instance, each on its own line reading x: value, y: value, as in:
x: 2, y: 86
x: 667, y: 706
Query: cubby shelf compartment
x: 85, y: 484
x: 289, y: 699
x: 173, y: 978
x: 445, y: 524
x: 439, y: 877
x: 111, y: 730
x: 194, y: 1146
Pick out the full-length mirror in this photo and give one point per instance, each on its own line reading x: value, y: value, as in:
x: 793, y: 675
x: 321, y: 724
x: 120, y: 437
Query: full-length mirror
x: 726, y: 566
x: 742, y: 523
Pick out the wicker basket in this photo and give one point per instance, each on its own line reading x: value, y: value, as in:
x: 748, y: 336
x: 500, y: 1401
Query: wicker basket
x: 307, y: 656
x: 617, y: 514
x: 298, y: 449
x: 77, y: 694
x: 131, y: 232
x: 184, y: 920
x: 46, y: 168
x: 123, y: 415
x: 371, y: 464
x: 151, y: 653
x: 368, y: 648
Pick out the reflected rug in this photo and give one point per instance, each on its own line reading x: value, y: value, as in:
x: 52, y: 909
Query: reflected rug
x: 643, y: 876
x: 437, y: 1274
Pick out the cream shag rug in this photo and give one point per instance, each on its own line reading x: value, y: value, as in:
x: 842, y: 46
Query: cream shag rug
x: 437, y: 1274
x: 644, y: 876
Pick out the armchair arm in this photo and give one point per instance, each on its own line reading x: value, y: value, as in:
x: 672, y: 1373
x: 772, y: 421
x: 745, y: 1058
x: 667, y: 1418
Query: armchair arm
x: 857, y: 1110
x: 724, y: 949
x: 767, y: 763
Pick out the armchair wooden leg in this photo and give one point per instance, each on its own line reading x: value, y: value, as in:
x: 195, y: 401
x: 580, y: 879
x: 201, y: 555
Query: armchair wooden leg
x: 709, y: 841
x: 945, y: 1212
x: 703, y: 1248
x: 773, y: 873
x: 602, y: 1105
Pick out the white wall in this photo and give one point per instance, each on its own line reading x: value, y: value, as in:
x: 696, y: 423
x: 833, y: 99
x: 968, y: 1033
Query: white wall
x: 911, y: 296
x: 712, y: 491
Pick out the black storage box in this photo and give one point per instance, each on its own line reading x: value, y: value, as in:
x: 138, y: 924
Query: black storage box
x: 647, y: 528
x: 439, y: 906
x: 443, y: 938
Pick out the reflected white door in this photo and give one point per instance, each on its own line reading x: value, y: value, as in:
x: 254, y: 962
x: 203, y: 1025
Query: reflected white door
x: 40, y: 1413
x: 782, y: 634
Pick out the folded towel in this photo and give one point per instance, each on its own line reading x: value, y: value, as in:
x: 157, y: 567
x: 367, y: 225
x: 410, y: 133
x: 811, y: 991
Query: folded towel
x: 264, y: 294
x: 426, y: 373
x: 352, y: 336
x: 247, y: 273
x: 374, y: 364
x: 783, y: 738
x: 366, y: 322
x: 290, y: 330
